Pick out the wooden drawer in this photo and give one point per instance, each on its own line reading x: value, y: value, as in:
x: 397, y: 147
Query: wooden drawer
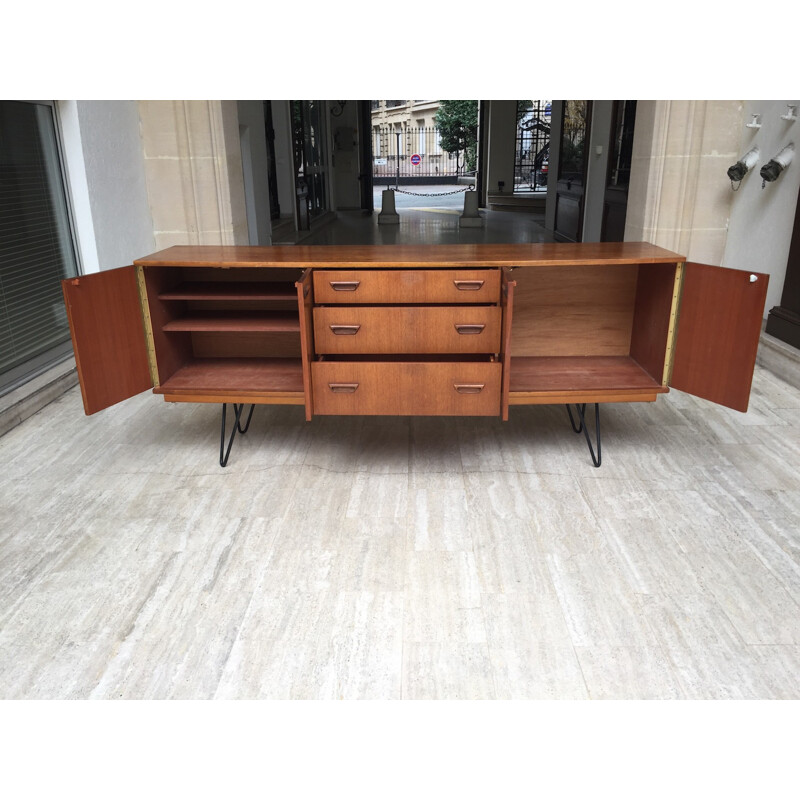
x: 407, y: 286
x: 432, y: 388
x: 407, y: 329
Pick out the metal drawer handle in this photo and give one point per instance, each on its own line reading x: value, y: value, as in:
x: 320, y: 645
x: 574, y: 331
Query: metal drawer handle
x: 469, y: 329
x: 343, y: 388
x: 345, y: 330
x: 469, y: 388
x: 344, y: 286
x: 468, y: 286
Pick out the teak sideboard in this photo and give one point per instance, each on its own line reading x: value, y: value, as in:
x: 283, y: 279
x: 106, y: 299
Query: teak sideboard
x: 416, y: 330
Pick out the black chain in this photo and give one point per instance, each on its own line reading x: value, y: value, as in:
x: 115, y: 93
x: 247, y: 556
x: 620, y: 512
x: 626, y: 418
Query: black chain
x: 434, y: 194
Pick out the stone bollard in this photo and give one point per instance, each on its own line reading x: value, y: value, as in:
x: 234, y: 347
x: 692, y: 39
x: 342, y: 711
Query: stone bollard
x: 470, y: 218
x: 388, y: 213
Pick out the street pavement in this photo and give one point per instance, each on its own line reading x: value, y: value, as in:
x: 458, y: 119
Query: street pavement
x: 431, y: 197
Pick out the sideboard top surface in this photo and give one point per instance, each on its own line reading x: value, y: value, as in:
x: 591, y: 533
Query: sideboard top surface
x: 404, y: 256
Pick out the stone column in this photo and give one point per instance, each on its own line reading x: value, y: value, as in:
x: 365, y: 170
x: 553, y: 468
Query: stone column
x: 193, y: 170
x: 679, y: 196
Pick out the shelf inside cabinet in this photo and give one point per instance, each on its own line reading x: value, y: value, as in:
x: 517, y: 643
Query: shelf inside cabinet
x: 580, y: 374
x: 235, y: 375
x: 240, y: 321
x: 239, y: 290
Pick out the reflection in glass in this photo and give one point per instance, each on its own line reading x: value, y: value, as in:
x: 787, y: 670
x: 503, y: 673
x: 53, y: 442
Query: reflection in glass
x: 574, y: 131
x: 36, y: 250
x: 619, y: 175
x: 308, y: 122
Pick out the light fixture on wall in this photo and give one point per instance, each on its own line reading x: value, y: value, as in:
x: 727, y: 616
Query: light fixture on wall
x: 791, y: 114
x: 756, y: 122
x: 742, y: 167
x: 773, y: 168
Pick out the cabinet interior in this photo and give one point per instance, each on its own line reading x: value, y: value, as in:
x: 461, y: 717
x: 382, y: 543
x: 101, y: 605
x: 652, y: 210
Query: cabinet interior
x: 225, y: 330
x: 594, y: 328
x: 591, y: 328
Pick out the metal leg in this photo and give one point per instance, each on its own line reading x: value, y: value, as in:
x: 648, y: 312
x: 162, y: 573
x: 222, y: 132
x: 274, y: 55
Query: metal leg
x: 572, y: 421
x: 249, y: 417
x: 223, y: 453
x: 581, y: 409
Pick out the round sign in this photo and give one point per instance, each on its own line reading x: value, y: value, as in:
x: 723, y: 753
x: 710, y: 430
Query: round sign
x: 415, y: 159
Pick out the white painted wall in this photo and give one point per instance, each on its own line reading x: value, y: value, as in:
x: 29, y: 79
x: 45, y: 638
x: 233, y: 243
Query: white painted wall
x: 556, y: 113
x: 596, y: 169
x: 106, y: 181
x: 255, y: 170
x: 761, y: 220
x: 284, y: 159
x: 502, y: 123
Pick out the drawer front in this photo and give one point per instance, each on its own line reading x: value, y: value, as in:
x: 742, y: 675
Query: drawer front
x: 407, y: 286
x: 407, y: 329
x: 406, y: 388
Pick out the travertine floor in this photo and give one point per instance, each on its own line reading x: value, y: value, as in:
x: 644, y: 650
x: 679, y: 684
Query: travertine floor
x: 403, y: 557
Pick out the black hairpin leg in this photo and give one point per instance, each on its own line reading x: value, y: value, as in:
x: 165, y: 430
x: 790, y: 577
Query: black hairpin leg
x: 572, y: 421
x: 237, y: 409
x: 581, y: 409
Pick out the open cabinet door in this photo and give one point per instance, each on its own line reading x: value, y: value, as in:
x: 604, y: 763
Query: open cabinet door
x: 507, y: 304
x: 305, y: 305
x: 105, y: 320
x: 719, y: 326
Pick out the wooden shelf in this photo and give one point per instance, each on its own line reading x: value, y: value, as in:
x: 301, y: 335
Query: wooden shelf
x: 615, y: 377
x: 212, y: 290
x: 240, y: 321
x: 235, y: 376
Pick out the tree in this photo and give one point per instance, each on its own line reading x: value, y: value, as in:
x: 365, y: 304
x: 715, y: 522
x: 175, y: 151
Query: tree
x: 457, y: 121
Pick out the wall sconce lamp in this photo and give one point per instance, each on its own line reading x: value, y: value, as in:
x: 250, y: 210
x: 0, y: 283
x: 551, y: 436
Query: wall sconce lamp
x: 791, y: 114
x: 773, y: 168
x: 743, y: 166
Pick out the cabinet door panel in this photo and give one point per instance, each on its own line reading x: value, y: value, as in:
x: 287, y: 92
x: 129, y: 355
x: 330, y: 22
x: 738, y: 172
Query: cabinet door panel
x: 507, y: 304
x: 305, y: 305
x: 105, y: 320
x: 718, y: 332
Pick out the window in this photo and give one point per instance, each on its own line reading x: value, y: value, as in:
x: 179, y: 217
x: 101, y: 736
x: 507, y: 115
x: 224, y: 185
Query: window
x: 36, y: 247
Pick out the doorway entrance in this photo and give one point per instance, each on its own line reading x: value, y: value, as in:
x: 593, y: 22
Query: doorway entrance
x: 571, y: 181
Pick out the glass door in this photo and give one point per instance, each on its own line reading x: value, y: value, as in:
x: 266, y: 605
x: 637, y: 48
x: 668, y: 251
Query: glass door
x: 36, y: 247
x: 310, y: 159
x: 571, y: 184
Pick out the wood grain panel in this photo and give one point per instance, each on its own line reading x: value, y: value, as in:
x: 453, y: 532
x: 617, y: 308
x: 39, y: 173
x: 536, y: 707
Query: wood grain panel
x: 105, y: 322
x: 587, y: 374
x: 573, y: 311
x: 412, y: 388
x: 407, y: 286
x: 651, y: 317
x: 231, y: 376
x: 241, y: 321
x: 507, y: 306
x: 258, y: 398
x: 718, y: 332
x: 405, y: 256
x: 583, y: 396
x: 173, y: 350
x: 223, y: 273
x: 305, y: 305
x: 245, y: 345
x: 407, y: 329
x: 227, y: 290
